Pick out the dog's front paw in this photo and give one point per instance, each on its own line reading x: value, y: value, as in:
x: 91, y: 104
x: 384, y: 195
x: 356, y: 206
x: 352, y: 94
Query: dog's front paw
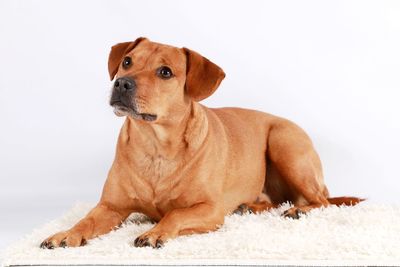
x: 151, y: 238
x: 64, y: 239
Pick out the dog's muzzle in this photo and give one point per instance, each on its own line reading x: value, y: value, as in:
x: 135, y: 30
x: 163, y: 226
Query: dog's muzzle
x: 122, y: 99
x: 123, y: 90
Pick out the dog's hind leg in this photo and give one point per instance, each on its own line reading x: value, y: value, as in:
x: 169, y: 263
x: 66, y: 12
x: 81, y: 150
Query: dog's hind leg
x: 291, y: 152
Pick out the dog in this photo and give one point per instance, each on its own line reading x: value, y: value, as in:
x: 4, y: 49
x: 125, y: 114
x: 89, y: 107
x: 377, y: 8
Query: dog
x: 187, y: 166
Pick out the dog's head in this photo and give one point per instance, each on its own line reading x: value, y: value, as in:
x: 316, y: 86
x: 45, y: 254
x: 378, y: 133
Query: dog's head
x: 155, y: 82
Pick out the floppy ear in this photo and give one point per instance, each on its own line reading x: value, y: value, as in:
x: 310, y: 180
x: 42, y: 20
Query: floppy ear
x: 202, y: 76
x: 118, y: 51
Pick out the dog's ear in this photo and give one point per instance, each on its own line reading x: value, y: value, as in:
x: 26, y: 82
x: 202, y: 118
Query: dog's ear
x: 118, y: 51
x: 202, y: 76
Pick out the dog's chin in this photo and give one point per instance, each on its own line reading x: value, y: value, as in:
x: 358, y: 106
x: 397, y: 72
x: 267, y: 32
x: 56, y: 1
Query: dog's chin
x: 122, y: 111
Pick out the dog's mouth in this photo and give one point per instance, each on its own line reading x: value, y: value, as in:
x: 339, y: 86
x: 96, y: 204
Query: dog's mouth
x: 121, y: 109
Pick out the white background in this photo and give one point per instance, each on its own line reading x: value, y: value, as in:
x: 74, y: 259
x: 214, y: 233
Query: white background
x: 333, y: 67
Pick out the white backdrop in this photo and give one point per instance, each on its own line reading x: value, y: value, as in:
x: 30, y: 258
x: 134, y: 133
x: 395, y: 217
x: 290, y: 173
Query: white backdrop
x: 333, y: 67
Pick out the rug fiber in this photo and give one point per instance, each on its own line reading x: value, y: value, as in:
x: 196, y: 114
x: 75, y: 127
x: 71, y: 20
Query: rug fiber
x: 361, y: 235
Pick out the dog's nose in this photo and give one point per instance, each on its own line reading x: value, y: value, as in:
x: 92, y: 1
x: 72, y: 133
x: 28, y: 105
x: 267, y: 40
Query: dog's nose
x: 124, y: 84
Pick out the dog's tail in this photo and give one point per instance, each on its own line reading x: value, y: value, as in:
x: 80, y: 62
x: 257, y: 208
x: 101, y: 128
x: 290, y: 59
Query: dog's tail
x: 347, y: 201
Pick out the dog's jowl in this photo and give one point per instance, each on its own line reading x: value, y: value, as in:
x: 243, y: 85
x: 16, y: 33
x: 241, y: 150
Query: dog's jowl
x: 186, y: 166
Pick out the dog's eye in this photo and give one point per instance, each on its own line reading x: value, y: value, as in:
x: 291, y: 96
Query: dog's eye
x: 126, y: 62
x: 164, y: 72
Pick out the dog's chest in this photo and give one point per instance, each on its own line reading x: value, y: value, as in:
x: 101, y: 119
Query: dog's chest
x: 162, y: 202
x: 160, y: 181
x: 155, y: 174
x: 154, y: 169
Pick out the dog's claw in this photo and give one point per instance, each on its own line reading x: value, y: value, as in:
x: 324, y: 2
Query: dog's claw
x: 142, y: 242
x: 43, y: 244
x: 46, y: 245
x: 145, y: 242
x: 63, y: 243
x: 285, y: 213
x: 136, y: 242
x: 159, y: 243
x: 242, y: 209
x: 292, y: 214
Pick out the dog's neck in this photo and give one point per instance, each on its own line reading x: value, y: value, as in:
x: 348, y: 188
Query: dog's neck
x: 168, y: 138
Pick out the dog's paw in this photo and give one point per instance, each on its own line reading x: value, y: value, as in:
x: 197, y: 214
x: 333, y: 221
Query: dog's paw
x: 152, y: 239
x: 242, y: 209
x: 64, y: 239
x: 293, y: 213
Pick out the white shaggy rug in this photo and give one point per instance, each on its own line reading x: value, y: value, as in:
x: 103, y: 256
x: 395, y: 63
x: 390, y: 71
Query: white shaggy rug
x: 361, y: 235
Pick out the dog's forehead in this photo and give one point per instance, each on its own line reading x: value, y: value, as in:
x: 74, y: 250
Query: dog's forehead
x: 159, y: 53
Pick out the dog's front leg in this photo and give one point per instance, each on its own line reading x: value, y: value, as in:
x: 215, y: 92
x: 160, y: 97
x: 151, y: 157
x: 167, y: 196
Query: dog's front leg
x: 200, y: 218
x: 100, y: 220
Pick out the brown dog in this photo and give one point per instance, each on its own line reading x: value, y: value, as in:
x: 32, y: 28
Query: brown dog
x: 187, y: 166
